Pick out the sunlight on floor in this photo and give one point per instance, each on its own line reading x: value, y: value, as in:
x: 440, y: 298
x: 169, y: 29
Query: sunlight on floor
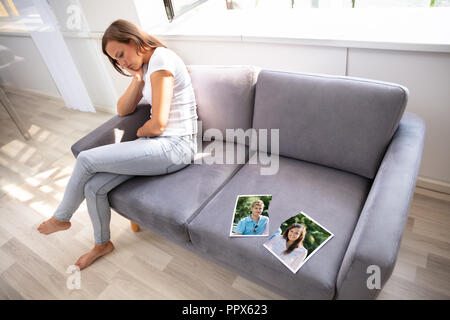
x: 18, y: 192
x: 42, y: 208
x: 46, y: 189
x: 13, y: 148
x: 32, y: 181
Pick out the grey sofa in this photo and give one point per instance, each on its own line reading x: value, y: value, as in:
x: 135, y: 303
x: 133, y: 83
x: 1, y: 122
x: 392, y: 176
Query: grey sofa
x: 348, y: 157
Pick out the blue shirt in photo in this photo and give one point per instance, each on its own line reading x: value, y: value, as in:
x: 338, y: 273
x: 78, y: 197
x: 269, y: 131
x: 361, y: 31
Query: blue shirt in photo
x: 249, y: 227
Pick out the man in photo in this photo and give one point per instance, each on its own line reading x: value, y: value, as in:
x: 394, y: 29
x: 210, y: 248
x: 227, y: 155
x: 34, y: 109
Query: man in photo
x: 255, y: 223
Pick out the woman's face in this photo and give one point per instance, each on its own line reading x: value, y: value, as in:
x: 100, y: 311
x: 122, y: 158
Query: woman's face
x: 125, y: 54
x: 293, y: 234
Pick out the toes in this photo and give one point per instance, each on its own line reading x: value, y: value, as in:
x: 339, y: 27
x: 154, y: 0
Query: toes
x: 79, y: 264
x: 82, y: 261
x: 42, y: 226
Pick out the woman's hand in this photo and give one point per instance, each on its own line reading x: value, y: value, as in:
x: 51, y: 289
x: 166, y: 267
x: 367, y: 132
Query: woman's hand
x: 136, y: 73
x: 139, y: 133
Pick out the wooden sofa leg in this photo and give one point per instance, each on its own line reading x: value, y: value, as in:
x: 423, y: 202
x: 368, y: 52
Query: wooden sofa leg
x: 134, y: 226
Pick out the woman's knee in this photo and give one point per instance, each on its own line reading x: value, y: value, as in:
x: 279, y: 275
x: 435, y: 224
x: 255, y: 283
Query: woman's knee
x: 103, y: 182
x: 84, y: 159
x: 94, y: 187
x: 90, y: 189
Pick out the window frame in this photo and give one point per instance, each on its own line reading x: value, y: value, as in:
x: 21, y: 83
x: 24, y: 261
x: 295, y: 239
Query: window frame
x: 171, y: 14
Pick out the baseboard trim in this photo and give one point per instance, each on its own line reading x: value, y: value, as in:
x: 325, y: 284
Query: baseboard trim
x: 434, y: 185
x: 30, y: 92
x: 59, y: 99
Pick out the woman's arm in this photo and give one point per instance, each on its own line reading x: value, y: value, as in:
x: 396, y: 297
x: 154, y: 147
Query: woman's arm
x: 298, y: 261
x: 162, y: 82
x: 128, y: 101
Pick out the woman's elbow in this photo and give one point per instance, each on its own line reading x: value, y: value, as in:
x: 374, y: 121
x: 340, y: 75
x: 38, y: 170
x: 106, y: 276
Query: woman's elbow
x: 159, y: 127
x: 119, y: 111
x: 159, y: 130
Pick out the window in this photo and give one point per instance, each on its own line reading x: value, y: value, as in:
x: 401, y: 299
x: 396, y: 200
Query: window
x: 371, y: 22
x: 298, y: 4
x: 175, y: 8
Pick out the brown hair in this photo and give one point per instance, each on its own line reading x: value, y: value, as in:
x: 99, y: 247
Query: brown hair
x: 297, y: 242
x: 124, y: 31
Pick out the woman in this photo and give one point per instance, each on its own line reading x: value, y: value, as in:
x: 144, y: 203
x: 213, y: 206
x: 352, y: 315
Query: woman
x: 289, y: 246
x: 166, y: 142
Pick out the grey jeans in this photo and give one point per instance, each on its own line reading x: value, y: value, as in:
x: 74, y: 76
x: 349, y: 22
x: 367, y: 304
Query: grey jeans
x: 99, y: 170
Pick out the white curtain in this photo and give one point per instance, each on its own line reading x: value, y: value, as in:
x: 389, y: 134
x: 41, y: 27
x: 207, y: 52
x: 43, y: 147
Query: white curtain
x: 53, y: 49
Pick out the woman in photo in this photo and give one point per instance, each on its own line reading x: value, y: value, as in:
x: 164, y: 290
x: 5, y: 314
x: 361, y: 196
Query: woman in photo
x: 165, y: 143
x: 289, y: 245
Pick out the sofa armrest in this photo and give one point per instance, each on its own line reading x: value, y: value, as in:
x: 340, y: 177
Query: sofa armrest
x: 377, y: 236
x: 108, y: 132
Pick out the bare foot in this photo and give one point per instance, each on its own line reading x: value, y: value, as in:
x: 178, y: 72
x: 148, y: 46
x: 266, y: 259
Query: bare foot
x: 52, y: 225
x: 98, y: 251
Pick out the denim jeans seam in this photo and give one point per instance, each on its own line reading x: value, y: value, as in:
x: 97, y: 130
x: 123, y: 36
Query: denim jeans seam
x: 173, y: 146
x: 127, y: 160
x: 96, y: 194
x: 101, y: 230
x: 141, y: 157
x: 184, y: 153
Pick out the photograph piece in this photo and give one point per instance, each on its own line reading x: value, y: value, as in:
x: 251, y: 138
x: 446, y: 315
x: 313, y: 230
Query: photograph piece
x: 251, y: 216
x: 296, y: 240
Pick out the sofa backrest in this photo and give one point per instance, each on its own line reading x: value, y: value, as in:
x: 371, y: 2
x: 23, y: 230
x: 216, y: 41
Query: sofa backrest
x: 340, y: 122
x: 225, y: 96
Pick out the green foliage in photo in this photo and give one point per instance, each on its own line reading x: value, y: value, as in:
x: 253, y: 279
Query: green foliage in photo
x: 244, y: 206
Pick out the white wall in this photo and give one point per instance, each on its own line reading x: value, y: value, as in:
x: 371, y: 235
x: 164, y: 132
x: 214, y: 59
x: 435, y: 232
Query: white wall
x: 312, y: 59
x: 30, y: 72
x: 88, y: 58
x: 101, y: 13
x: 427, y: 76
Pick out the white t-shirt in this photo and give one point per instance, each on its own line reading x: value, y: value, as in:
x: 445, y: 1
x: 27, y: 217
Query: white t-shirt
x: 183, y: 110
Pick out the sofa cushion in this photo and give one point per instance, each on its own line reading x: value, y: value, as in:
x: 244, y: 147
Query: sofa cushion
x: 341, y: 122
x: 225, y: 96
x: 333, y: 198
x: 165, y: 203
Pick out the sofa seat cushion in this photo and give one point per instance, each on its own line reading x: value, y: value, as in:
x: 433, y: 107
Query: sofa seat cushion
x: 164, y: 204
x: 332, y: 197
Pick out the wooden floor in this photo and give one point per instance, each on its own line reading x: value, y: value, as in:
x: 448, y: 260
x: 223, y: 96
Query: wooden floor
x: 33, y: 176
